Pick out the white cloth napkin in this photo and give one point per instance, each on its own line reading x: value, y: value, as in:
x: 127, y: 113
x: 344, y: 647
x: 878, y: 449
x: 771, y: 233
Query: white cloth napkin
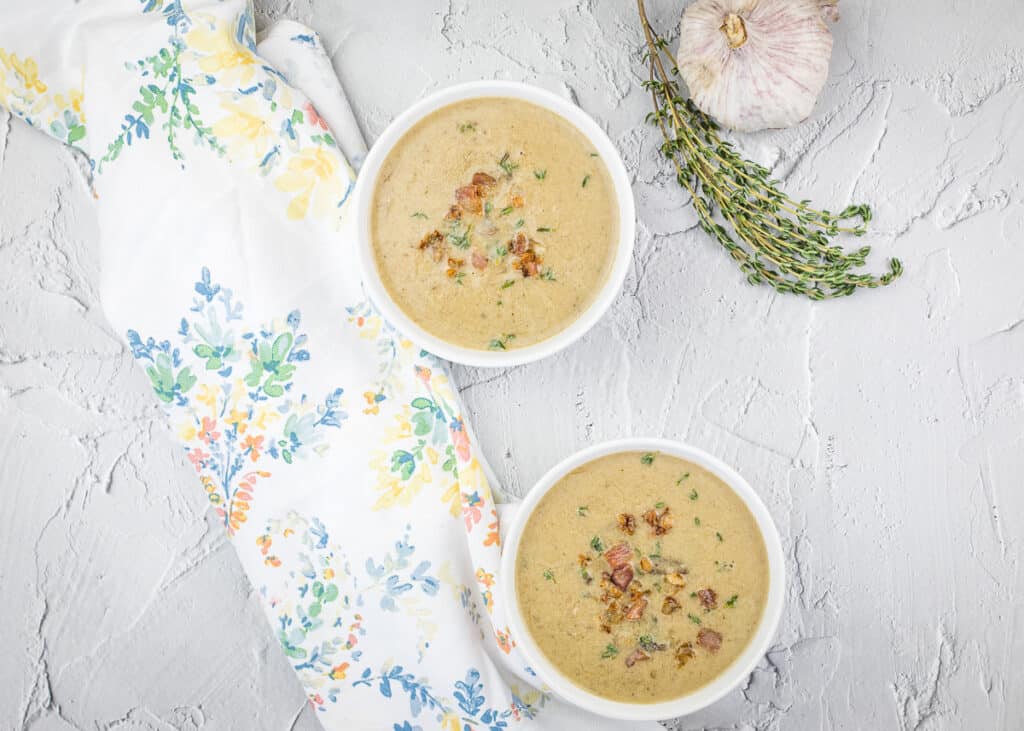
x: 333, y: 450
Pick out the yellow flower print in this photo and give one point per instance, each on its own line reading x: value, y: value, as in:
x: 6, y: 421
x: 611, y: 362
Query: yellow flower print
x: 245, y: 129
x: 238, y: 419
x: 218, y: 53
x: 208, y: 395
x: 25, y: 70
x: 451, y: 722
x: 316, y: 179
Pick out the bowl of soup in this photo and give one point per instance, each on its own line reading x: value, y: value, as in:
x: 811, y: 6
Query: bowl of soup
x: 495, y: 223
x: 643, y: 579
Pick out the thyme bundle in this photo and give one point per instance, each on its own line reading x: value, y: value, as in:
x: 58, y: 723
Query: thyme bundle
x: 774, y: 239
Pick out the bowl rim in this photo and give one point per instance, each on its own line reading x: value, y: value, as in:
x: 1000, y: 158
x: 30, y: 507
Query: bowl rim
x: 733, y: 674
x: 614, y: 280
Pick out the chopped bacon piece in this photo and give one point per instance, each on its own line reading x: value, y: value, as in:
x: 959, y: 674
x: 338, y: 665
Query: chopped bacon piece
x: 619, y: 555
x: 519, y: 243
x: 483, y: 179
x: 622, y: 576
x: 627, y: 523
x: 611, y: 615
x: 454, y: 214
x: 583, y: 560
x: 709, y: 639
x: 529, y: 265
x: 660, y: 522
x: 669, y: 605
x: 708, y: 598
x: 434, y: 238
x: 684, y: 653
x: 516, y: 200
x: 645, y: 565
x: 636, y: 656
x: 469, y: 198
x: 676, y: 579
x: 479, y: 261
x: 636, y: 610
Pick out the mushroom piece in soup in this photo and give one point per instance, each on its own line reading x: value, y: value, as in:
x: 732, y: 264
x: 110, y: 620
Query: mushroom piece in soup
x: 494, y: 223
x: 641, y: 576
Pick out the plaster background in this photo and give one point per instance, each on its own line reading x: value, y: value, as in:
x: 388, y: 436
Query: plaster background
x: 884, y: 431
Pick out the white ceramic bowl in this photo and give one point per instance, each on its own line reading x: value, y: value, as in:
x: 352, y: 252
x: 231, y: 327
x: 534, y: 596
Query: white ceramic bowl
x: 714, y: 690
x: 367, y: 181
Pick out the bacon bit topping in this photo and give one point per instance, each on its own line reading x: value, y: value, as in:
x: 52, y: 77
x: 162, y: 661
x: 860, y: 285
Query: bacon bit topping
x: 432, y: 239
x: 519, y: 243
x: 660, y: 523
x: 470, y: 198
x: 479, y: 261
x: 583, y: 559
x: 612, y: 615
x: 645, y: 565
x: 622, y: 576
x: 636, y: 610
x: 529, y: 264
x: 669, y: 605
x: 708, y: 598
x: 636, y: 656
x: 483, y: 179
x: 454, y: 214
x: 618, y: 555
x: 516, y: 200
x: 627, y: 523
x: 708, y: 639
x: 676, y: 579
x: 684, y: 653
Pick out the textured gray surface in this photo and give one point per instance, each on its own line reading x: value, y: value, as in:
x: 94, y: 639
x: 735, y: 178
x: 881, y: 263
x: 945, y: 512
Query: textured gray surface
x: 884, y: 431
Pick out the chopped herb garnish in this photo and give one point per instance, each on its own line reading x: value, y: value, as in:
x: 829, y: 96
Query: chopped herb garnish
x: 500, y: 303
x: 459, y: 276
x: 596, y: 544
x: 487, y: 208
x: 467, y: 127
x: 459, y: 238
x: 680, y: 482
x: 694, y: 494
x: 506, y: 164
x: 544, y: 229
x: 419, y: 214
x: 646, y: 642
x: 696, y: 521
x: 657, y: 550
x: 508, y: 283
x: 549, y: 574
x: 501, y: 252
x: 719, y: 536
x: 540, y: 174
x: 659, y: 505
x: 585, y: 575
x: 507, y: 210
x: 694, y: 618
x: 520, y: 222
x: 647, y: 458
x: 501, y: 343
x: 586, y: 179
x: 548, y: 275
x: 610, y: 650
x: 582, y: 511
x: 731, y: 601
x: 593, y: 154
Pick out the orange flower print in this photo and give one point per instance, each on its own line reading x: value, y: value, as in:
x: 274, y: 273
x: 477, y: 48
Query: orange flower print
x: 374, y: 401
x: 485, y: 578
x: 338, y: 671
x: 423, y: 374
x: 493, y: 537
x: 252, y: 445
x: 207, y: 433
x: 197, y: 456
x: 460, y: 438
x: 505, y: 641
x: 471, y: 509
x: 314, y: 116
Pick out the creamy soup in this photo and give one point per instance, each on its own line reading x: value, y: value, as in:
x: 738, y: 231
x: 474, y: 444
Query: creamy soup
x: 494, y: 223
x: 641, y: 576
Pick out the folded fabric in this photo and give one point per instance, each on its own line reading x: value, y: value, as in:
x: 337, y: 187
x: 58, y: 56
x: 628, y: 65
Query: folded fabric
x: 333, y: 450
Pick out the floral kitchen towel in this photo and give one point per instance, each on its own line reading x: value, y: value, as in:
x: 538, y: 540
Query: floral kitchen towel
x: 332, y: 449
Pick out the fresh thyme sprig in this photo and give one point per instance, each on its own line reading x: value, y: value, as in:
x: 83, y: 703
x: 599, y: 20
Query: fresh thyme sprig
x: 781, y: 242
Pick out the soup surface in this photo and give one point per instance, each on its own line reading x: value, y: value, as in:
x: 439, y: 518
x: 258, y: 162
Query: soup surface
x: 494, y: 223
x: 641, y: 576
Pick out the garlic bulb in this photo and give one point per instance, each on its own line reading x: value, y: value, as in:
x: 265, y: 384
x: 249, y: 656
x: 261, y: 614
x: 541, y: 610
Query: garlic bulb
x: 756, y: 64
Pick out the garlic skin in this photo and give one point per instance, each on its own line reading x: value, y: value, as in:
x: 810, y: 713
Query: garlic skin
x: 756, y: 64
